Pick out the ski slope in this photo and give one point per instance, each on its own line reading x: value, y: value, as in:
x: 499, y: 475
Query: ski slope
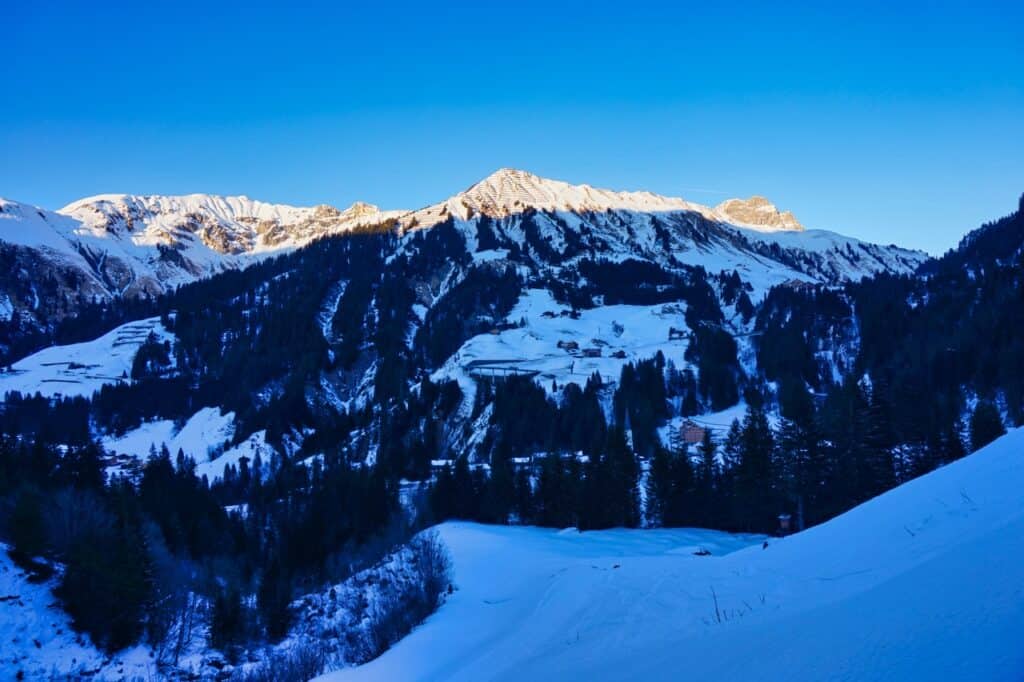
x: 925, y: 582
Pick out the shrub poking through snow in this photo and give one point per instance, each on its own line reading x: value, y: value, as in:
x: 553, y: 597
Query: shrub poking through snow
x: 357, y: 620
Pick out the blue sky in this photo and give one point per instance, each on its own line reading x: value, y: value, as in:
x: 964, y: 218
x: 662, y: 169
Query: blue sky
x: 894, y: 125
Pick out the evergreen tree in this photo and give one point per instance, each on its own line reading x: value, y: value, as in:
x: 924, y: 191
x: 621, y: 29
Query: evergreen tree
x: 610, y: 496
x: 524, y: 504
x: 25, y: 526
x: 557, y: 492
x: 499, y: 492
x: 227, y: 620
x: 273, y: 599
x: 658, y: 487
x: 755, y: 482
x: 802, y: 462
x: 728, y: 480
x: 986, y: 424
x: 707, y: 500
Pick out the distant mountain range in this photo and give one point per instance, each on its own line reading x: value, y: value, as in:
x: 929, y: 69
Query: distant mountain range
x: 124, y: 245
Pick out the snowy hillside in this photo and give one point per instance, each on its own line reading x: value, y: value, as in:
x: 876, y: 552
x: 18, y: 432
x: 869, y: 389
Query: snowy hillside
x: 624, y: 333
x: 81, y: 369
x: 38, y: 642
x: 922, y: 582
x: 204, y: 438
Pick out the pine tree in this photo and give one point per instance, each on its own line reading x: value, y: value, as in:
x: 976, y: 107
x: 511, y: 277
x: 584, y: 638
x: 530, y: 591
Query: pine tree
x: 658, y: 487
x: 27, y: 533
x: 986, y: 424
x: 802, y: 467
x: 707, y: 500
x: 499, y: 492
x: 227, y: 622
x: 442, y: 495
x: 728, y: 479
x: 273, y: 598
x: 524, y: 504
x: 755, y: 484
x: 681, y: 506
x: 623, y: 475
x: 556, y: 493
x: 465, y: 501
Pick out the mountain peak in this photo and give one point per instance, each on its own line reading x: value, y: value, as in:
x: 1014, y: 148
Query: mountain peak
x: 758, y: 213
x: 508, y: 191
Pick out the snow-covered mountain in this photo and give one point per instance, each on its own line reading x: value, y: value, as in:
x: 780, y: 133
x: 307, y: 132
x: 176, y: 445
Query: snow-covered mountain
x: 546, y: 328
x: 224, y: 225
x: 121, y: 244
x: 126, y: 245
x: 508, y: 191
x: 559, y: 223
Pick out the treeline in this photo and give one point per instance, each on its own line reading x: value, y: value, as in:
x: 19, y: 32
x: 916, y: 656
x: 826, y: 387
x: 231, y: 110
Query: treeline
x: 594, y: 491
x: 949, y: 333
x: 524, y: 418
x: 822, y: 458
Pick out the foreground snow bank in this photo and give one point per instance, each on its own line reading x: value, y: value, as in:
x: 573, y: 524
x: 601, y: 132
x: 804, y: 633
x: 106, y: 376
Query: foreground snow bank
x: 924, y: 582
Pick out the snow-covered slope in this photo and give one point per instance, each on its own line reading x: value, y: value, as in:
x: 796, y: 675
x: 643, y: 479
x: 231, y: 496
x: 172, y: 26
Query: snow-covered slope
x: 923, y: 582
x: 81, y: 369
x: 204, y: 437
x: 630, y: 331
x: 509, y: 191
x: 37, y: 641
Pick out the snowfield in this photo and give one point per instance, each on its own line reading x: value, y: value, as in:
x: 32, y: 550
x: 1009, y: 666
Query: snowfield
x: 81, y: 369
x: 203, y: 437
x: 638, y: 331
x: 924, y: 582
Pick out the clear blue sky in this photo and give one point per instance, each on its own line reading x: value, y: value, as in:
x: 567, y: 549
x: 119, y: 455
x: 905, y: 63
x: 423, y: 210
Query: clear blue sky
x: 896, y: 125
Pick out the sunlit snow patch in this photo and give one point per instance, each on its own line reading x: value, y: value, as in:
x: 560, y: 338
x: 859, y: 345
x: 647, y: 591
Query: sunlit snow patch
x: 80, y: 369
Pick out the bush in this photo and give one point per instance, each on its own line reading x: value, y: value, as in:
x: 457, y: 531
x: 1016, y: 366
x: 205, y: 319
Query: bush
x: 399, y: 612
x: 434, y: 567
x: 297, y: 664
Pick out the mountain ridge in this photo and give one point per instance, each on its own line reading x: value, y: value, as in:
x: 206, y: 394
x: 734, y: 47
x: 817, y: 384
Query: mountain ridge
x: 125, y: 245
x: 508, y: 191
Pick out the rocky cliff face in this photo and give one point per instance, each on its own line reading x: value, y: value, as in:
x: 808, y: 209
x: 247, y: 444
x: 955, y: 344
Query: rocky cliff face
x: 758, y: 213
